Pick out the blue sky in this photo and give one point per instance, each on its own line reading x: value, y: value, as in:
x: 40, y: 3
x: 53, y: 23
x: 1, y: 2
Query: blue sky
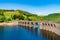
x: 40, y: 7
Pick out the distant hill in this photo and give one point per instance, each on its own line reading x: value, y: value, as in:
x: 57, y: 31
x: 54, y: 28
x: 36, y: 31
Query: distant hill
x: 52, y: 17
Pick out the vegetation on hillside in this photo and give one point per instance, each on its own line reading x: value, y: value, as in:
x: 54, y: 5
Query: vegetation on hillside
x: 52, y: 17
x: 11, y: 15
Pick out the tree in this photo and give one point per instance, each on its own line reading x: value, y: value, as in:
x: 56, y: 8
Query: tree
x: 20, y: 17
x: 2, y: 18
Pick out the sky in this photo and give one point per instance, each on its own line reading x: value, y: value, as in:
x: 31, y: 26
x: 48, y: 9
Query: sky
x: 39, y: 7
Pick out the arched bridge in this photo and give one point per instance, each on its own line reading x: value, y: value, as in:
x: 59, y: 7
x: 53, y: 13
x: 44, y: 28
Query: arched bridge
x: 45, y: 25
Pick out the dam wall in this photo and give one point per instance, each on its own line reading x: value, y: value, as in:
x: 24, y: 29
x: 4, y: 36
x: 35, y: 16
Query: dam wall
x: 45, y: 25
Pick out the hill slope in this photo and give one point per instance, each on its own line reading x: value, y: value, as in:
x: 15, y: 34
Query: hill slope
x: 10, y: 15
x: 52, y: 17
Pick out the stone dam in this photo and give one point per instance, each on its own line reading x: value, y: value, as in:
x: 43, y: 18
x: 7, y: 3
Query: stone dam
x: 48, y: 29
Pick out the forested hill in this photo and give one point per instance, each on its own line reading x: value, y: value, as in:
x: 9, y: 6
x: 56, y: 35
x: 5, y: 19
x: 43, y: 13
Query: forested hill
x: 52, y: 17
x: 11, y: 15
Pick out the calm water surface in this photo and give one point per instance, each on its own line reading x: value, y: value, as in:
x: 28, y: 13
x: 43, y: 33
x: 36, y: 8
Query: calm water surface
x: 18, y: 33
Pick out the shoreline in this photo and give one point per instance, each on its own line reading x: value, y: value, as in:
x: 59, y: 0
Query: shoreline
x: 9, y: 23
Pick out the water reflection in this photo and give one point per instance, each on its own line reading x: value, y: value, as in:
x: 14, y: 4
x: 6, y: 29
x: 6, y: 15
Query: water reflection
x: 1, y: 32
x: 45, y: 34
x: 19, y: 33
x: 49, y: 35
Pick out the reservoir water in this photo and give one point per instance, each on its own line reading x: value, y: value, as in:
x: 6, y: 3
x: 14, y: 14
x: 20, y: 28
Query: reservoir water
x: 18, y: 33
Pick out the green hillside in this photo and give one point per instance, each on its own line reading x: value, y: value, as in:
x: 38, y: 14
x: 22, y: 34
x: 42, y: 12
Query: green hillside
x: 52, y: 17
x: 11, y: 15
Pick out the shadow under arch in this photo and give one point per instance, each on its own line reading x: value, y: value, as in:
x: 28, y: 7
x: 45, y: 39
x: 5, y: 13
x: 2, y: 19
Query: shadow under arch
x: 50, y: 35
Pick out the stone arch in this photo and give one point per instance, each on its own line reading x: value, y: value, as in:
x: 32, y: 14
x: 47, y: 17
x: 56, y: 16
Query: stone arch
x: 51, y: 25
x: 32, y: 23
x: 28, y: 22
x: 25, y: 22
x: 54, y: 25
x: 43, y: 24
x: 36, y: 23
x: 48, y: 24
